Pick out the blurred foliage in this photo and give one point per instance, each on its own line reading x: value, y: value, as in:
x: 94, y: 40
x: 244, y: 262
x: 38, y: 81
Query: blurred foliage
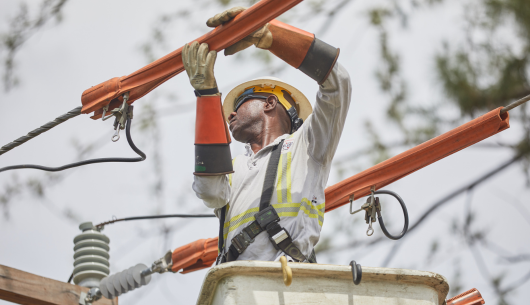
x: 485, y: 70
x: 21, y: 28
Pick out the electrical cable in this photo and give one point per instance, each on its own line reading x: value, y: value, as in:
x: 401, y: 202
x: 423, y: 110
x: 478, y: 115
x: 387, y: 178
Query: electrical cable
x: 149, y: 217
x: 61, y: 119
x: 405, y: 214
x: 515, y: 104
x: 156, y: 217
x: 85, y: 162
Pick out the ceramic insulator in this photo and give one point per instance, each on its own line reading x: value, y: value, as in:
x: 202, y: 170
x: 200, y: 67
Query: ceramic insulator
x: 122, y: 282
x: 91, y: 256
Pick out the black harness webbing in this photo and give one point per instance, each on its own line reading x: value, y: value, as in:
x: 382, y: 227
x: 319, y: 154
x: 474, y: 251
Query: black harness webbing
x: 266, y: 220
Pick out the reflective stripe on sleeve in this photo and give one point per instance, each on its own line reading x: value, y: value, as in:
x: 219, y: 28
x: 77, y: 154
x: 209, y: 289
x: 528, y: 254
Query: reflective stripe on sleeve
x: 283, y: 187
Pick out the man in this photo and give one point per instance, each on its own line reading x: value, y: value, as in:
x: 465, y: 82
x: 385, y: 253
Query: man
x: 273, y: 203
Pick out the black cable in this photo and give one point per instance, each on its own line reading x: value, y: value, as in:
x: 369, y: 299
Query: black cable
x: 405, y: 214
x: 91, y: 161
x: 157, y: 216
x: 150, y: 217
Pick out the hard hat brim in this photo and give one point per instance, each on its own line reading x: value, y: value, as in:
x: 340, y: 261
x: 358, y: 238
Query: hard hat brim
x: 300, y: 99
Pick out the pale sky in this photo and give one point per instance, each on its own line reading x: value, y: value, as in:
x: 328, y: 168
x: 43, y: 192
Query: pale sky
x: 98, y: 40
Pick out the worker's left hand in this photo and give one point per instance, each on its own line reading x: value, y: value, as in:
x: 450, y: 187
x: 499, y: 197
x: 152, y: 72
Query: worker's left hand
x: 261, y: 38
x: 199, y: 62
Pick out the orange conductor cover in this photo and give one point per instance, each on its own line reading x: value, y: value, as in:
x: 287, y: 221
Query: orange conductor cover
x: 390, y: 170
x: 470, y: 297
x: 141, y: 82
x: 197, y: 255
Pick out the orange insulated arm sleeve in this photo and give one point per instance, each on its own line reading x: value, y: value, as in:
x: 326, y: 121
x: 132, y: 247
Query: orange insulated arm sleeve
x: 212, y: 139
x: 302, y: 50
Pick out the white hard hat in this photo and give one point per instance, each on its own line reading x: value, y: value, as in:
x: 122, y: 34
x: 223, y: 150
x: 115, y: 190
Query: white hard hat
x: 266, y: 82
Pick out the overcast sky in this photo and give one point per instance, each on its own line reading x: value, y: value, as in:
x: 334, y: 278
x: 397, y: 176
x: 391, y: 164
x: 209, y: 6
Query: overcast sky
x: 98, y: 40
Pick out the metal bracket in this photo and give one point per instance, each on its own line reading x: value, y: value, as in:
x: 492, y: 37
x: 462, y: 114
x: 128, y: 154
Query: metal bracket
x: 93, y: 295
x: 105, y: 109
x: 82, y: 299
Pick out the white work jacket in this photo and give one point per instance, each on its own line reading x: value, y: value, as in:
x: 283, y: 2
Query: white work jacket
x: 302, y: 176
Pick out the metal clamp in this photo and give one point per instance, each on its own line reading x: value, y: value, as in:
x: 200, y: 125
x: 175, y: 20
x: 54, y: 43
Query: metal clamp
x: 121, y: 115
x: 372, y: 209
x: 93, y: 295
x: 369, y: 208
x: 161, y: 265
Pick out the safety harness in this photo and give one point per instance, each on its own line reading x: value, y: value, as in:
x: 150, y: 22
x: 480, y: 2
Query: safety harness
x: 267, y: 219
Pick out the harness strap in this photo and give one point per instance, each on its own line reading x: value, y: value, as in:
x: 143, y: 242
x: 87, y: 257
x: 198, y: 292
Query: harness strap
x: 221, y: 240
x: 270, y: 177
x: 267, y: 219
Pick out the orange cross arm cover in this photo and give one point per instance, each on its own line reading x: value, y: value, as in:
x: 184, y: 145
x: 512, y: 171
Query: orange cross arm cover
x: 398, y: 166
x: 416, y: 158
x: 141, y: 82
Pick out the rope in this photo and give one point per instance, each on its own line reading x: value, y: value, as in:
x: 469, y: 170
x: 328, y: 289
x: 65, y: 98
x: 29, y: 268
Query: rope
x: 63, y: 118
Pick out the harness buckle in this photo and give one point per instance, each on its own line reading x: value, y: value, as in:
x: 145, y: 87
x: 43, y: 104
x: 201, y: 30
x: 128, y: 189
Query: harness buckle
x: 277, y: 238
x: 241, y: 241
x: 266, y: 217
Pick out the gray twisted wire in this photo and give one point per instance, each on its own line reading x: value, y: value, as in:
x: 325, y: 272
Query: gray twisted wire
x: 63, y: 118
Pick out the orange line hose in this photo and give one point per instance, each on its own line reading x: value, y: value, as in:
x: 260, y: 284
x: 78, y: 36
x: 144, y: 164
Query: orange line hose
x: 146, y: 79
x: 202, y: 253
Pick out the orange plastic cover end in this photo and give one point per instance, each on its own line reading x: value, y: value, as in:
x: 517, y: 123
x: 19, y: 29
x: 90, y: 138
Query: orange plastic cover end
x: 470, y: 297
x: 197, y: 255
x: 210, y: 125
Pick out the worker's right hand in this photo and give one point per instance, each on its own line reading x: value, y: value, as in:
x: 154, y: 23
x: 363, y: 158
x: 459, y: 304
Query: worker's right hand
x: 261, y: 38
x: 199, y: 62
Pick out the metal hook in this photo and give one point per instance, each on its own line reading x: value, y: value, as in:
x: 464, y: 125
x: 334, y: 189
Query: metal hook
x: 116, y: 135
x: 357, y: 272
x: 370, y: 230
x: 287, y: 272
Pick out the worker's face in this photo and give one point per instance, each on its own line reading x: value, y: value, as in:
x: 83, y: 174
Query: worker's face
x: 247, y: 121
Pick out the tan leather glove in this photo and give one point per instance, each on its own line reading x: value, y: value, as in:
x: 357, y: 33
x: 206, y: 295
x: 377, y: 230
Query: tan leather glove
x: 199, y: 62
x: 261, y: 38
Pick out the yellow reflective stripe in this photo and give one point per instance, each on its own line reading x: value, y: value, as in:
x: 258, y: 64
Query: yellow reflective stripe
x: 236, y: 221
x: 322, y: 207
x: 279, y: 184
x: 283, y: 186
x: 288, y: 214
x: 230, y: 175
x: 288, y: 177
x: 283, y: 210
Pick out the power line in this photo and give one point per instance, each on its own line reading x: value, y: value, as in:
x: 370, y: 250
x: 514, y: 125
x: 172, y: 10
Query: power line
x: 141, y: 157
x: 156, y: 217
x: 61, y: 119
